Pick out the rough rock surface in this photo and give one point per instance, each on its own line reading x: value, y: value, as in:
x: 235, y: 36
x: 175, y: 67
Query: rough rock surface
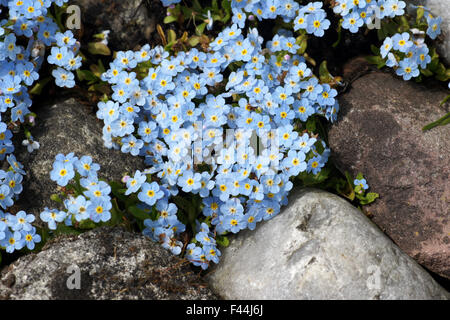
x: 131, y: 22
x: 319, y: 247
x: 379, y: 134
x: 439, y: 8
x: 113, y: 264
x: 65, y: 127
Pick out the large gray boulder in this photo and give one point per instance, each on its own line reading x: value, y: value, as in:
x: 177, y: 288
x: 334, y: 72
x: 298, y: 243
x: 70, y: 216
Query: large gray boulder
x: 379, y: 133
x: 319, y: 247
x: 64, y: 127
x: 111, y: 263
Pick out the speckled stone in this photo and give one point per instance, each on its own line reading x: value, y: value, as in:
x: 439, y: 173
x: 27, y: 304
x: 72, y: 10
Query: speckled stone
x: 131, y: 22
x: 113, y: 264
x: 65, y: 127
x: 319, y: 247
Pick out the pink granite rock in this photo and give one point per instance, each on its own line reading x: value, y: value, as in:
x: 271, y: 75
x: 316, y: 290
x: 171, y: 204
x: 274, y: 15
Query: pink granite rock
x: 379, y: 134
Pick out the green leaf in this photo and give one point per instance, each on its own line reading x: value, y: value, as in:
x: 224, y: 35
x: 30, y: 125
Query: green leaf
x: 339, y: 31
x: 376, y: 60
x: 440, y: 122
x: 359, y: 176
x: 420, y: 13
x: 197, y: 6
x: 193, y: 41
x: 99, y: 48
x: 139, y: 213
x: 85, y: 75
x: 222, y: 241
x: 375, y: 50
x: 117, y: 190
x: 426, y: 72
x: 62, y: 229
x: 226, y: 4
x: 302, y: 41
x: 116, y: 214
x: 170, y: 19
x: 56, y: 198
x: 369, y: 198
x: 87, y: 225
x: 325, y: 75
x: 37, y: 89
x: 215, y: 5
x: 171, y: 36
x: 404, y: 24
x: 182, y: 203
x: 200, y: 29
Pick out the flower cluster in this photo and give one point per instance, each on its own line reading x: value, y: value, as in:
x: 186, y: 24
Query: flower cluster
x: 205, y: 250
x: 16, y: 230
x: 356, y: 13
x: 166, y: 227
x: 193, y: 117
x: 64, y: 56
x: 310, y: 17
x: 406, y: 54
x: 434, y: 23
x: 93, y: 201
x: 24, y: 36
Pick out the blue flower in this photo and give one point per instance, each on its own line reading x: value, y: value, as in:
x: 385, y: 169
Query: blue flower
x: 79, y: 208
x: 52, y: 216
x: 15, y: 165
x: 63, y: 78
x: 150, y: 193
x: 21, y: 221
x: 352, y: 22
x: 362, y: 183
x: 135, y: 183
x: 86, y: 167
x: 99, y: 210
x: 408, y: 69
x: 402, y: 42
x: 317, y: 24
x: 315, y: 165
x: 31, y: 238
x: 12, y: 241
x: 6, y: 196
x: 62, y: 173
x: 434, y: 27
x: 386, y: 47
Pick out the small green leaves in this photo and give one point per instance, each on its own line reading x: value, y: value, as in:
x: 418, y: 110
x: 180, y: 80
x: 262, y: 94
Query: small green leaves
x: 324, y: 74
x: 200, y: 29
x: 98, y: 48
x: 139, y: 213
x: 302, y: 41
x: 376, y: 60
x: 55, y: 197
x: 440, y: 122
x: 368, y: 198
x: 37, y: 89
x: 222, y: 241
x: 170, y: 19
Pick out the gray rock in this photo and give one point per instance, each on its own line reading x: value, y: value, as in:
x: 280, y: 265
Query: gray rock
x: 379, y: 133
x: 131, y: 22
x: 319, y: 247
x: 440, y: 8
x: 113, y: 264
x: 65, y: 127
